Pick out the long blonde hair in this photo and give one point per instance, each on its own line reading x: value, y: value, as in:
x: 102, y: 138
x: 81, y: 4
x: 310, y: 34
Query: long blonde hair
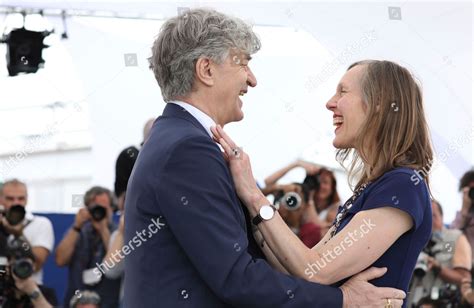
x: 395, y: 133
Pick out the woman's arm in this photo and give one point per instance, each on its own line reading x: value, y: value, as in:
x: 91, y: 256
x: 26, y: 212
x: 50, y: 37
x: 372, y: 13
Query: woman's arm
x: 353, y: 249
x: 273, y: 178
x: 268, y: 252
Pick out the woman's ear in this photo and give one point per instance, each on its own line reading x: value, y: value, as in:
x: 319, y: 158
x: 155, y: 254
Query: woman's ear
x: 205, y: 71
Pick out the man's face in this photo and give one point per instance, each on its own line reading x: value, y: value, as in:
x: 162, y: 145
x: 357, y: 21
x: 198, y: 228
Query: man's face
x: 233, y: 77
x: 14, y: 194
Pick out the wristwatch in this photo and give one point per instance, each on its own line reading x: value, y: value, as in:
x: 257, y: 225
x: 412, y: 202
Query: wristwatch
x: 35, y: 294
x: 266, y: 212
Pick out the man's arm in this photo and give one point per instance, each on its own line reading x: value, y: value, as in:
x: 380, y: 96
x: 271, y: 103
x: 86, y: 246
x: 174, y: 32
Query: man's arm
x: 66, y: 247
x: 28, y: 286
x: 41, y: 254
x: 42, y: 242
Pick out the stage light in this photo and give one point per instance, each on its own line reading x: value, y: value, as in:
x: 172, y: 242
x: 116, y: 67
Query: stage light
x: 24, y: 50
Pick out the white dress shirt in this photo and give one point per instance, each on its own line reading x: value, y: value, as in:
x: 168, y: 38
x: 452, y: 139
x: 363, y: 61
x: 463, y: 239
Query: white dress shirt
x: 205, y: 120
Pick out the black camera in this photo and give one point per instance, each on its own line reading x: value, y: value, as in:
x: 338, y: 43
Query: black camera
x: 15, y: 215
x: 446, y: 295
x: 97, y: 212
x: 21, y: 257
x: 421, y: 266
x: 310, y: 183
x: 16, y: 256
x: 292, y: 200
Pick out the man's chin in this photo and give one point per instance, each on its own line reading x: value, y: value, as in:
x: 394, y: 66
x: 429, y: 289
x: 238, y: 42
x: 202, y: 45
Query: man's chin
x: 239, y: 116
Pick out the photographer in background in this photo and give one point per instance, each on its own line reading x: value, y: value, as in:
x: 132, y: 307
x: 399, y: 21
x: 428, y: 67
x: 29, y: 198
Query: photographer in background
x: 292, y: 202
x: 84, y: 246
x: 441, y: 267
x: 464, y: 220
x: 37, y: 231
x: 324, y: 198
x: 29, y: 295
x: 18, y: 289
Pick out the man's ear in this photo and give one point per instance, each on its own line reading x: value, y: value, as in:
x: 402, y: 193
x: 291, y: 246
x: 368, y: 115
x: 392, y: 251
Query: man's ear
x: 205, y: 71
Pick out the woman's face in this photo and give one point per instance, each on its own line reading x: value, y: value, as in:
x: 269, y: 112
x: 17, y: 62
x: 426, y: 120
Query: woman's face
x: 348, y: 108
x: 325, y: 188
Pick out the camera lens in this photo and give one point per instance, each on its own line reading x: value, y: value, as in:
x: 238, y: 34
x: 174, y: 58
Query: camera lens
x: 15, y: 215
x: 22, y: 268
x: 292, y: 201
x: 97, y: 212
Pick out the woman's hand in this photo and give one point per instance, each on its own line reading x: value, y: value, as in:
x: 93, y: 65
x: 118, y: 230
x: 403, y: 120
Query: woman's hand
x: 310, y: 168
x: 239, y: 164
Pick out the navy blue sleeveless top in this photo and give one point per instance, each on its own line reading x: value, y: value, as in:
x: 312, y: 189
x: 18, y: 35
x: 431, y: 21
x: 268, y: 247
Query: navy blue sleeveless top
x: 400, y: 188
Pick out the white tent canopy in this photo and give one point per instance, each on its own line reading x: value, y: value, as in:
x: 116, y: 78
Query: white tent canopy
x: 99, y: 104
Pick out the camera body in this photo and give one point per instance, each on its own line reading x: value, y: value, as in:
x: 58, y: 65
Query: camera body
x: 292, y: 201
x: 16, y: 256
x: 15, y: 215
x: 98, y: 212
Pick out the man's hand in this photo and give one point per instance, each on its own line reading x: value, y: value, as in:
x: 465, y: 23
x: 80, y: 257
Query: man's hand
x: 16, y: 230
x: 432, y: 263
x: 81, y: 217
x: 26, y: 286
x: 357, y: 292
x: 101, y: 226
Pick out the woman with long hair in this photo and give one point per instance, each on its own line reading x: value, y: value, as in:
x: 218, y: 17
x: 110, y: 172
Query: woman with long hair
x: 382, y: 132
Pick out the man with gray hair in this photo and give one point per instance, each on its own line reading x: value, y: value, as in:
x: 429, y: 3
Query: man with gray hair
x: 203, y: 254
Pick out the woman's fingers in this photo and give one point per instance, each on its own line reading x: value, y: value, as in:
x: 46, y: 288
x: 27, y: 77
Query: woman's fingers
x: 223, y: 134
x: 215, y: 133
x: 226, y: 147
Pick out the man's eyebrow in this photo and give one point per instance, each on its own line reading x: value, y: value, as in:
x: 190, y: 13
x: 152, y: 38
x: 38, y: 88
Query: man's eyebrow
x: 248, y: 57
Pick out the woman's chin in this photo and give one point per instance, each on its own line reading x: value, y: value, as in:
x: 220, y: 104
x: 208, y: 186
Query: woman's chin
x: 337, y: 143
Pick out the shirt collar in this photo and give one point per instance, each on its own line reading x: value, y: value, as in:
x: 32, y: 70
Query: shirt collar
x: 205, y: 120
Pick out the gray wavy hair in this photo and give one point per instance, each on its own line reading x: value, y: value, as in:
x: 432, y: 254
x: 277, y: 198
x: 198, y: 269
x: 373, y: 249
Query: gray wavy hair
x: 194, y: 34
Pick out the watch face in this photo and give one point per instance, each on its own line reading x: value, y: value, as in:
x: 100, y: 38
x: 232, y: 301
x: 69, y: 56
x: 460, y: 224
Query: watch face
x: 266, y: 212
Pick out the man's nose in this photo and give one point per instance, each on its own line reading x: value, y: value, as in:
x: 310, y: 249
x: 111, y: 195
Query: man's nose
x: 251, y: 79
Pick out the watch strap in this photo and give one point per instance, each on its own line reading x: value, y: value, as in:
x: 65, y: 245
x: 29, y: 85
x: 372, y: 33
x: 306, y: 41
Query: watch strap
x: 35, y: 294
x: 258, y: 219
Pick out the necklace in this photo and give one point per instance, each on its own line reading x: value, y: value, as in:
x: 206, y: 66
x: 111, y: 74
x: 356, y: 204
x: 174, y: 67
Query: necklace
x: 345, y: 208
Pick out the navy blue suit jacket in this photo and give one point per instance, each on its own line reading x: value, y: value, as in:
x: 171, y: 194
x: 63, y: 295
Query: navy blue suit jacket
x: 187, y: 232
